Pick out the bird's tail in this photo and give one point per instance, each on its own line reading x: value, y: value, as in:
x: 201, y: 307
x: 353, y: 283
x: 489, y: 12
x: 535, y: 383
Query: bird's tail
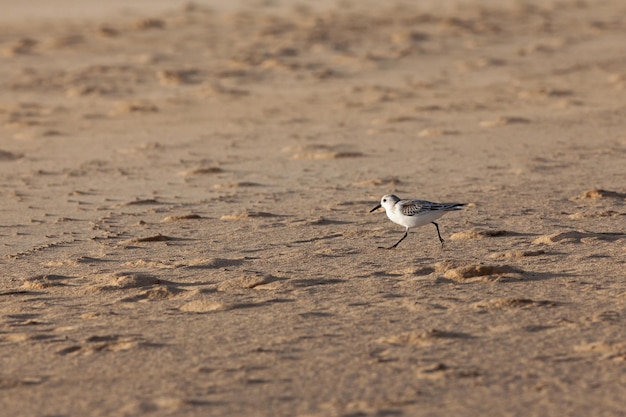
x: 453, y: 206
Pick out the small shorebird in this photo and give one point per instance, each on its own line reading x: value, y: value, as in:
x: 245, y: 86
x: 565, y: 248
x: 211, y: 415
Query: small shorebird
x: 414, y: 213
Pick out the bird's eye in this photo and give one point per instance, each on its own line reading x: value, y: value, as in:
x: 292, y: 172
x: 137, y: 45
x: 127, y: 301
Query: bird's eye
x: 384, y: 200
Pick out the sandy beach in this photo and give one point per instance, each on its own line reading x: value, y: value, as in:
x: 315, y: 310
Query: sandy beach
x: 185, y: 224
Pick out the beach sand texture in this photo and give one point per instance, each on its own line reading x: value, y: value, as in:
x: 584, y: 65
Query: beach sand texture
x: 185, y: 226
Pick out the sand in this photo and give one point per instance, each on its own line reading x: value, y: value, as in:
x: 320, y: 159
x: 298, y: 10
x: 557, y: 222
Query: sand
x: 185, y: 226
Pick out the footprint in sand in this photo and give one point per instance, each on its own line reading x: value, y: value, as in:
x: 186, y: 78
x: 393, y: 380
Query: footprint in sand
x: 214, y: 263
x: 125, y: 280
x: 395, y: 120
x: 610, y: 197
x: 597, y: 194
x: 481, y: 234
x: 388, y: 181
x: 134, y: 106
x: 595, y: 214
x: 154, y: 238
x: 19, y: 47
x: 471, y: 272
x: 66, y: 41
x: 162, y: 405
x: 425, y: 338
x: 240, y: 184
x: 316, y: 152
x: 248, y: 214
x: 548, y: 46
x: 181, y: 218
x: 503, y: 121
x: 106, y: 31
x: 154, y: 293
x: 202, y: 171
x: 518, y: 254
x: 544, y: 92
x: 45, y: 281
x: 179, y: 77
x: 6, y: 156
x: 134, y: 287
x: 26, y: 381
x: 606, y: 350
x: 256, y: 281
x: 479, y: 64
x: 507, y: 303
x: 436, y: 133
x: 441, y: 370
x: 575, y: 236
x: 106, y: 343
x: 218, y: 88
x: 372, y: 94
x: 149, y: 23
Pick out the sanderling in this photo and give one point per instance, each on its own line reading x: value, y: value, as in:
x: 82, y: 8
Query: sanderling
x: 414, y: 213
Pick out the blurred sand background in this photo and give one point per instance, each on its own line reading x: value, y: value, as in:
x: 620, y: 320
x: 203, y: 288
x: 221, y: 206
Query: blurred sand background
x: 184, y: 226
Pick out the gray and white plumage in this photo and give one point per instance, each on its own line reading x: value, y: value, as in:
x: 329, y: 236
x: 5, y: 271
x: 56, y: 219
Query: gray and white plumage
x: 414, y: 213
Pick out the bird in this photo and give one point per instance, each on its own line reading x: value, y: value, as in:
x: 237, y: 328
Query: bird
x: 414, y: 213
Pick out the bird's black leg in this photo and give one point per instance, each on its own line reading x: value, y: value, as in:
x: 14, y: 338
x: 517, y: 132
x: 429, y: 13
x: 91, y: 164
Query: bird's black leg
x: 438, y: 234
x: 406, y: 232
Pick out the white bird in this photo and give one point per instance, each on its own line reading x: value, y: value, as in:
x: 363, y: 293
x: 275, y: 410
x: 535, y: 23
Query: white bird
x: 414, y: 213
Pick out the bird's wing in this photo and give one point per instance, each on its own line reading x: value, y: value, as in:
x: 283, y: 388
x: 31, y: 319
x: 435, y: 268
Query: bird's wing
x: 413, y: 207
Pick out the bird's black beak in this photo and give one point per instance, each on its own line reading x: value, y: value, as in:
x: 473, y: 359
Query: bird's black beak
x: 375, y: 208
